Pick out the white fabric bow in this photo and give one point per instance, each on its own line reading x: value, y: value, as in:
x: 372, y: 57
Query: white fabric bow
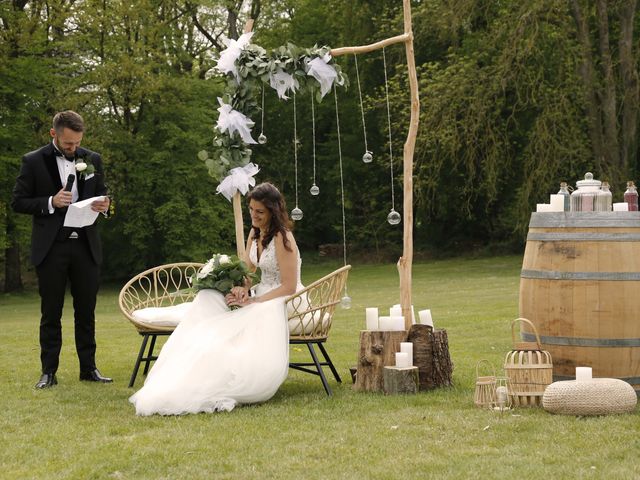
x: 228, y: 57
x: 283, y: 81
x: 324, y: 73
x: 234, y: 121
x: 238, y: 180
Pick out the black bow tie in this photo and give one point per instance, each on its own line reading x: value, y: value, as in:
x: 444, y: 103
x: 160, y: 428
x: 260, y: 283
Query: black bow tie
x: 60, y: 154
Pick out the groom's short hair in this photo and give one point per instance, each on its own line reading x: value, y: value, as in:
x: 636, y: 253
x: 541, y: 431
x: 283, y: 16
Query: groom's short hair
x: 68, y: 119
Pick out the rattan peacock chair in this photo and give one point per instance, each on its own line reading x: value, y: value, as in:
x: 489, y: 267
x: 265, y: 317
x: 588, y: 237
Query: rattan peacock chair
x: 310, y: 312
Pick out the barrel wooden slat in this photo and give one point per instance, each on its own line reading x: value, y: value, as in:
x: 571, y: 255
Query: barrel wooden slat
x: 580, y: 286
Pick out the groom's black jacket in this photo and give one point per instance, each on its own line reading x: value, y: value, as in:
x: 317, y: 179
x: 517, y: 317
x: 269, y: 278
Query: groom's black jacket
x: 38, y: 180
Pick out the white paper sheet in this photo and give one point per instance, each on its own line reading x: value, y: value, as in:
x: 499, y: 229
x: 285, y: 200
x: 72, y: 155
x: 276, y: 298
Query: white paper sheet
x: 80, y: 214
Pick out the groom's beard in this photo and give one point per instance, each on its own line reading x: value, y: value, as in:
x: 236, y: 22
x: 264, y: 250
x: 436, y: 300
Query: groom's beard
x: 66, y: 153
x: 69, y: 155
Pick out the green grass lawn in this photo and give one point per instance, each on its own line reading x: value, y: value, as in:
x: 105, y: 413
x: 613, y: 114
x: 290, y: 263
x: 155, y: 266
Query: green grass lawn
x: 86, y: 431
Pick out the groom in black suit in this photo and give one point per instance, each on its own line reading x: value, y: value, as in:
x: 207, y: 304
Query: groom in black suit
x: 44, y: 189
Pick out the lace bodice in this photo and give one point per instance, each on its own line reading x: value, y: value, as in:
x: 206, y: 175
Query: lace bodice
x: 268, y: 265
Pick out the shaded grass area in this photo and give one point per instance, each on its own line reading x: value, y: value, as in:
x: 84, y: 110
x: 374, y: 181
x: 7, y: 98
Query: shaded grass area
x: 80, y: 430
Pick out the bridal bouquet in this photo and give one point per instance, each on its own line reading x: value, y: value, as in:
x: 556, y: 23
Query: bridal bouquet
x: 222, y: 273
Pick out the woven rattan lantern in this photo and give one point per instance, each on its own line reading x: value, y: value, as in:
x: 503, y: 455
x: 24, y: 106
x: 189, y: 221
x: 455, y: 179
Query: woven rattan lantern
x: 485, y: 392
x: 529, y: 370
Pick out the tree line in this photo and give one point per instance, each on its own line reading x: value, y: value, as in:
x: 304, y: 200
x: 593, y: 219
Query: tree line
x: 515, y: 97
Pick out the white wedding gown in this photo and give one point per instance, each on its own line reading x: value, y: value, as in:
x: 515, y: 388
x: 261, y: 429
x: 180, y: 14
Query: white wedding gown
x: 217, y: 358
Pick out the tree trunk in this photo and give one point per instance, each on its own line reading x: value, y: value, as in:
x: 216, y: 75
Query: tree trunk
x: 611, y: 147
x: 442, y: 365
x: 377, y: 350
x: 587, y: 74
x: 12, y: 265
x: 422, y: 338
x: 629, y: 75
x: 400, y: 380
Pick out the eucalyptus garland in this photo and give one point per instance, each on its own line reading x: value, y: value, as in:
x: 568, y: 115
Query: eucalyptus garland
x: 254, y: 68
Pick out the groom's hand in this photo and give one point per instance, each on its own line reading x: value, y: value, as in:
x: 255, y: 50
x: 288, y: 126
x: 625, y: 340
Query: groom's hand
x: 61, y: 199
x: 101, y: 206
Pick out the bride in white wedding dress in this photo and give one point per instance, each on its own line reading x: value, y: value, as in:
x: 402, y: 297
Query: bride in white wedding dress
x: 217, y: 358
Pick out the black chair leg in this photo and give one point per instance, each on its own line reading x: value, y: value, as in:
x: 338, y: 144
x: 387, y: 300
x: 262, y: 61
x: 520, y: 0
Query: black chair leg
x: 320, y: 371
x: 143, y: 347
x: 150, y: 358
x: 329, y: 362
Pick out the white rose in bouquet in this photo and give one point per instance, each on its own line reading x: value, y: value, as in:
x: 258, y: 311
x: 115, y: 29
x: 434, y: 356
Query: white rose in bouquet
x: 224, y: 259
x: 206, y: 269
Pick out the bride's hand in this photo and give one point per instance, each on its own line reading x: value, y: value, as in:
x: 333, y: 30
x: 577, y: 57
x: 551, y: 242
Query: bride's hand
x: 233, y: 302
x: 240, y: 294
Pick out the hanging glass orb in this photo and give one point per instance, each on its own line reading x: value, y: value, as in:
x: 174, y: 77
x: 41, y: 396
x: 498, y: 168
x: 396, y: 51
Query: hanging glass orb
x: 345, y: 302
x: 262, y: 139
x: 296, y: 214
x: 367, y: 157
x: 394, y: 217
x: 314, y: 190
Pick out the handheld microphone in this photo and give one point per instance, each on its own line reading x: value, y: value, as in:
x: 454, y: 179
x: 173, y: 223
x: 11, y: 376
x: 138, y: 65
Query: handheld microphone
x: 70, y: 179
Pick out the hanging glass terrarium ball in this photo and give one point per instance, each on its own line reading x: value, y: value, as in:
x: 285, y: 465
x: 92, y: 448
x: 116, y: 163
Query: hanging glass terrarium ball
x: 345, y: 302
x: 262, y: 139
x: 296, y: 214
x: 367, y: 157
x: 314, y: 190
x: 394, y: 217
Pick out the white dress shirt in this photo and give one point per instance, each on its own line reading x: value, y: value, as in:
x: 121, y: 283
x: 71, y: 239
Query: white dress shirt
x: 65, y: 168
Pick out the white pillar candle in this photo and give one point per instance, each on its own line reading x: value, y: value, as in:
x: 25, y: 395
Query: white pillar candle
x: 583, y: 373
x: 371, y: 315
x: 621, y: 207
x: 557, y: 203
x: 395, y: 311
x: 385, y: 323
x: 407, y: 347
x: 425, y: 317
x: 402, y: 360
x: 398, y: 323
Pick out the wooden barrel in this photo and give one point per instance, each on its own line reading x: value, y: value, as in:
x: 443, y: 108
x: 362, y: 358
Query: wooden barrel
x: 580, y: 286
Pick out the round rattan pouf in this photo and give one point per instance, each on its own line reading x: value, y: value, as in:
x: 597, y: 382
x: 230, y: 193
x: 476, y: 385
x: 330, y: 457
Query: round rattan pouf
x: 598, y: 396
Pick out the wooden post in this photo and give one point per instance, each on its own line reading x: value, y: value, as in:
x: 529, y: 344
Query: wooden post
x: 406, y: 261
x: 377, y: 350
x: 237, y: 200
x: 237, y: 217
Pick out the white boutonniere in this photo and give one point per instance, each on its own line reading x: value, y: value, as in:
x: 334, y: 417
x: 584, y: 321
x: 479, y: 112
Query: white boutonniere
x: 84, y: 167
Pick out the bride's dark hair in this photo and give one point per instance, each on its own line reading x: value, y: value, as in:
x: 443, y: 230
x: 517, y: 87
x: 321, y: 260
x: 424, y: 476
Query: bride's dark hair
x: 272, y: 199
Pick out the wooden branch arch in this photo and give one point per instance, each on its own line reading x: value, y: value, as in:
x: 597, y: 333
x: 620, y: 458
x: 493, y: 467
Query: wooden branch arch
x: 405, y: 262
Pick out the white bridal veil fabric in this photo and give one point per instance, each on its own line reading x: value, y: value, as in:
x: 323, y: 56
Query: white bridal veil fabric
x: 217, y: 358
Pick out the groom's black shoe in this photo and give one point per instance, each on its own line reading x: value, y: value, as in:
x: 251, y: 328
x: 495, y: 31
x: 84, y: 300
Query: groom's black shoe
x: 47, y: 380
x: 95, y: 376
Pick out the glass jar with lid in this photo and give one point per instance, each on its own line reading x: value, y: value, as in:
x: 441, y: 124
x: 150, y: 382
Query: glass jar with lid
x: 631, y: 196
x: 604, y: 201
x: 583, y: 198
x: 564, y: 191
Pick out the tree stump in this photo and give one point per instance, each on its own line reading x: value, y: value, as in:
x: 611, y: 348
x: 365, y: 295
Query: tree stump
x: 442, y: 365
x: 422, y: 338
x: 377, y: 350
x: 400, y: 380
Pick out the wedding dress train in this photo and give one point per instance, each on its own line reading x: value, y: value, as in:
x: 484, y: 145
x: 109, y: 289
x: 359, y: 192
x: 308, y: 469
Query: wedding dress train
x: 217, y: 358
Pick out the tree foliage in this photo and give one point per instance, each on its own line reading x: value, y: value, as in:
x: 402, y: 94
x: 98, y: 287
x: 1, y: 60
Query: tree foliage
x: 515, y: 97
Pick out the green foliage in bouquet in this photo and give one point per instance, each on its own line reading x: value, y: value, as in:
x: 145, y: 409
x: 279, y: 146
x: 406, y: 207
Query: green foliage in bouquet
x: 222, y: 273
